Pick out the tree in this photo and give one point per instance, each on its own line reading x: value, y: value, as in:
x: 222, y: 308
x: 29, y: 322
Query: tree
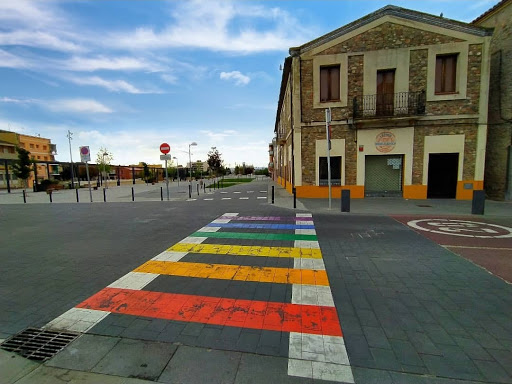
x: 146, y: 171
x: 21, y: 167
x: 103, y: 159
x: 214, y: 160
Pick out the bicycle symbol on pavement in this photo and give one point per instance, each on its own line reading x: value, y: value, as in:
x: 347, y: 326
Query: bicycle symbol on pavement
x: 462, y: 228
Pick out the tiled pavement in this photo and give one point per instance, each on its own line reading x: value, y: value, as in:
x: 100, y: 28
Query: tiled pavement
x: 244, y: 284
x: 408, y: 305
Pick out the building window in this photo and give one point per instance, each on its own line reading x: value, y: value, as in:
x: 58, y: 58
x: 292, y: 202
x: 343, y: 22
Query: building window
x: 46, y: 158
x: 45, y: 147
x: 335, y: 171
x: 32, y: 146
x: 37, y: 146
x: 446, y: 73
x: 330, y: 83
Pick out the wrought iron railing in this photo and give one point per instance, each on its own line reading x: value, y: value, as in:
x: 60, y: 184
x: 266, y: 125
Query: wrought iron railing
x: 389, y: 105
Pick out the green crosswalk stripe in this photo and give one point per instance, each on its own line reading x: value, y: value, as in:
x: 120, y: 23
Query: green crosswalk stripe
x: 255, y: 236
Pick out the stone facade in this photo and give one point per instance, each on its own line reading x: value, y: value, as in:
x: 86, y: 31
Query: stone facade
x: 498, y: 174
x: 358, y: 54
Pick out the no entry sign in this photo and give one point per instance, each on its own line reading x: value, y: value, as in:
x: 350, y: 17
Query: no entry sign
x: 165, y: 148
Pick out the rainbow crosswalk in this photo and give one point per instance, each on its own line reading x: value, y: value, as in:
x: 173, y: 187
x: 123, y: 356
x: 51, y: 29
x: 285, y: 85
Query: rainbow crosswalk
x: 316, y: 347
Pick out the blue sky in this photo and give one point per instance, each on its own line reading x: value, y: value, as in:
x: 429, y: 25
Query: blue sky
x: 129, y: 75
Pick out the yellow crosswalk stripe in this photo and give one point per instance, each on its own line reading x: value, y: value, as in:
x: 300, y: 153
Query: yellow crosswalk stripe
x: 236, y: 272
x: 247, y: 250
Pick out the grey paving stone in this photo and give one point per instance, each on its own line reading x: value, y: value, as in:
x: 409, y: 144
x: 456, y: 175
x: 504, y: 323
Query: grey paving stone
x: 13, y: 367
x: 472, y: 348
x: 422, y: 343
x: 367, y: 317
x: 357, y: 347
x: 376, y: 337
x: 135, y: 358
x: 406, y: 353
x: 83, y: 353
x: 193, y: 329
x: 248, y: 342
x: 371, y: 376
x: 445, y: 367
x: 385, y: 359
x: 493, y: 371
x: 171, y: 332
x: 502, y: 357
x: 200, y: 365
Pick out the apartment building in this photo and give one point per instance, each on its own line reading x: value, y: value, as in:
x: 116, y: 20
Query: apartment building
x: 408, y: 97
x: 498, y: 170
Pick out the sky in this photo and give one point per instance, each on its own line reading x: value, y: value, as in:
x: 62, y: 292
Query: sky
x: 129, y: 75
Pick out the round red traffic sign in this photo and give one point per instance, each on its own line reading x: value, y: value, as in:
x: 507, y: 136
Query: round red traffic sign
x: 165, y: 148
x: 84, y: 151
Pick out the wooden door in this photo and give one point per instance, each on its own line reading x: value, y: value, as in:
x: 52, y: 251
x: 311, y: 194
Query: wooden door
x: 385, y: 92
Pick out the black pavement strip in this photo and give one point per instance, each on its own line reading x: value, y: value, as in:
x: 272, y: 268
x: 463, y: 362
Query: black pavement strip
x: 231, y: 289
x: 256, y: 261
x: 249, y: 242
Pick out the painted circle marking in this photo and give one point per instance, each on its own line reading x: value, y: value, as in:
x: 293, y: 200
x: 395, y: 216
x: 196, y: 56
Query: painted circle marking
x: 462, y: 228
x: 385, y: 142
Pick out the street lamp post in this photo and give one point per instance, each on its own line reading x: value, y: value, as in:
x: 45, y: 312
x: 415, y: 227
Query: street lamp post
x: 177, y: 170
x: 105, y: 169
x: 190, y: 159
x: 71, y: 159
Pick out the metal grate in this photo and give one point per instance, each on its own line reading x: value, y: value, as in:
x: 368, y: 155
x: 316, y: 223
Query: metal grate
x: 38, y: 344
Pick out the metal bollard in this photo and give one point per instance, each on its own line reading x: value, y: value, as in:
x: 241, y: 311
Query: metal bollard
x: 133, y: 195
x: 104, y: 195
x: 190, y: 191
x: 77, y: 198
x: 51, y: 198
x: 197, y: 189
x: 294, y: 197
x: 161, y: 194
x: 204, y: 187
x: 345, y: 200
x: 272, y: 194
x: 24, y: 197
x: 478, y: 204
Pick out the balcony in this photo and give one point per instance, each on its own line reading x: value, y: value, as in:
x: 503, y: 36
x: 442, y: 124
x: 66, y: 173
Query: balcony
x: 281, y: 136
x: 386, y: 105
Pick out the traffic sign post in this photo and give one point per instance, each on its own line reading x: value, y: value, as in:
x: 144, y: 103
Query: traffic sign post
x: 165, y: 149
x: 85, y: 156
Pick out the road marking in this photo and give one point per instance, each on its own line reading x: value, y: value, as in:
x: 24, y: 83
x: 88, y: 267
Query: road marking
x: 250, y: 191
x: 297, y: 220
x: 262, y: 226
x: 468, y: 247
x: 191, y: 199
x: 78, y: 319
x: 250, y: 236
x: 134, y: 280
x: 236, y: 272
x: 237, y: 192
x: 226, y: 198
x: 263, y: 191
x: 243, y: 198
x: 463, y: 228
x: 248, y: 250
x: 208, y: 199
x: 312, y: 294
x: 272, y: 316
x: 259, y: 197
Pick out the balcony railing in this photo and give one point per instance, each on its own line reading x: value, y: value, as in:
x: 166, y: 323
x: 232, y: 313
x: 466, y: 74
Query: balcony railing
x: 389, y: 105
x: 281, y: 136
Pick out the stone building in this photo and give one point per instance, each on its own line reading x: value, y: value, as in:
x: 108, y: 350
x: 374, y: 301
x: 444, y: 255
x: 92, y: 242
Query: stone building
x: 498, y: 168
x: 408, y: 97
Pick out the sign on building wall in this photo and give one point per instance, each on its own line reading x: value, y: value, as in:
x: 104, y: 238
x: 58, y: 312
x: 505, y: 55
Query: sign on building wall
x: 385, y: 142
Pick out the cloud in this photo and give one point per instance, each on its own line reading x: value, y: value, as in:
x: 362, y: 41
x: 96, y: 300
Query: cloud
x: 38, y: 39
x: 169, y: 79
x: 235, y: 76
x: 219, y: 26
x: 111, y: 85
x: 8, y: 60
x: 77, y: 106
x: 122, y: 63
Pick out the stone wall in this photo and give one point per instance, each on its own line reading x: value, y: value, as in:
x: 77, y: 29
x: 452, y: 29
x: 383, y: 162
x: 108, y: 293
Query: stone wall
x: 418, y: 64
x: 389, y: 36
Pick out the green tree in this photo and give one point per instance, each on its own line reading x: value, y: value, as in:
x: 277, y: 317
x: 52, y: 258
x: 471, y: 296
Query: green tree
x: 104, y: 159
x: 22, y: 167
x: 146, y: 172
x: 214, y: 160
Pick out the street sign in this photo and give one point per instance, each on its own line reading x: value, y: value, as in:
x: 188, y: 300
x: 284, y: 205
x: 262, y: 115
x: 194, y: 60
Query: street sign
x: 85, y: 154
x: 165, y: 157
x: 165, y: 148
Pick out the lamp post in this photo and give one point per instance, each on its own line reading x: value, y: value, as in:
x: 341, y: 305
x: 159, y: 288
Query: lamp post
x: 105, y: 169
x: 190, y: 159
x: 71, y: 159
x: 177, y: 170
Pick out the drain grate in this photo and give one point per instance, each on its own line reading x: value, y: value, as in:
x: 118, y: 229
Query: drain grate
x: 38, y: 344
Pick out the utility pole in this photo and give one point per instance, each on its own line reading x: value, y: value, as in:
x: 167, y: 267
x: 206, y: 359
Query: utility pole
x: 71, y: 158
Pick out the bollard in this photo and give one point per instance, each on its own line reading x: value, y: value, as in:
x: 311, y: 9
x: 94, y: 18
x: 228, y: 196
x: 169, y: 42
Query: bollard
x: 190, y: 191
x: 204, y: 187
x: 345, y: 200
x: 161, y: 194
x: 478, y: 204
x: 294, y: 197
x: 197, y: 189
x: 51, y: 198
x: 24, y: 197
x: 272, y: 194
x: 104, y: 195
x: 133, y: 195
x: 77, y: 198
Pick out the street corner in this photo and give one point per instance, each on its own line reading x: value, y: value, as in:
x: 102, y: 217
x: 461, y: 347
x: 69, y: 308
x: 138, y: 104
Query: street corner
x: 482, y: 241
